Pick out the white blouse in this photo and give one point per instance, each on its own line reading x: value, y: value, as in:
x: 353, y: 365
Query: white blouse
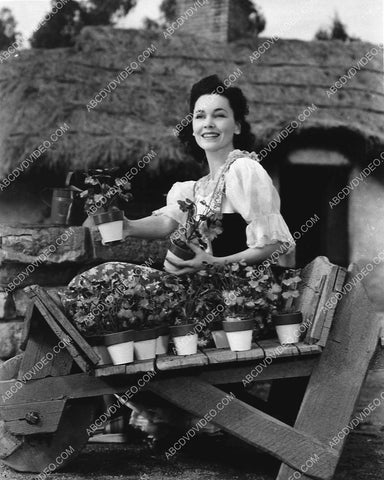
x: 249, y: 191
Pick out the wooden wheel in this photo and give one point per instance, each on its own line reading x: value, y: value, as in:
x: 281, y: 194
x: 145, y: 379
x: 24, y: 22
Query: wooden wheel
x: 34, y: 453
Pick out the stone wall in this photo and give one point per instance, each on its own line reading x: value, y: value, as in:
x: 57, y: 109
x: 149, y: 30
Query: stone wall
x: 51, y: 256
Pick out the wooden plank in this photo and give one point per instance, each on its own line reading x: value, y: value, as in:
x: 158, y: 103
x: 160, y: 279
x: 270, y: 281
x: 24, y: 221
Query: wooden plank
x: 27, y: 325
x: 336, y: 381
x: 247, y: 423
x: 176, y: 362
x: 236, y: 373
x: 139, y: 366
x: 219, y: 355
x: 82, y: 385
x: 8, y: 443
x: 79, y: 385
x: 48, y: 414
x: 40, y: 345
x: 330, y: 313
x: 306, y: 349
x: 274, y: 349
x: 62, y: 335
x: 318, y: 279
x: 66, y: 325
x: 256, y: 353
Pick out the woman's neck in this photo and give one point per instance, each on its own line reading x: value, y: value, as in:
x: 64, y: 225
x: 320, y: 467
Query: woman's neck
x: 217, y: 159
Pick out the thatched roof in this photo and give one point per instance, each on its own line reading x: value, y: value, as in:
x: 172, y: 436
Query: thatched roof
x: 42, y: 89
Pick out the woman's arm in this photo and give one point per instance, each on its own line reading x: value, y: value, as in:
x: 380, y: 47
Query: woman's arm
x: 250, y: 255
x: 152, y: 227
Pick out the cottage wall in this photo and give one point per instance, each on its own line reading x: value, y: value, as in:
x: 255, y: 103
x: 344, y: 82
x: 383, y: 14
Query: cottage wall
x: 366, y: 220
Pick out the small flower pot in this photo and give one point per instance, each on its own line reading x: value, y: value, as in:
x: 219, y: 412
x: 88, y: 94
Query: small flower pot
x: 98, y: 345
x: 218, y: 334
x: 185, y: 339
x: 145, y: 344
x: 239, y: 334
x: 162, y: 340
x: 287, y: 326
x: 110, y: 225
x: 120, y: 346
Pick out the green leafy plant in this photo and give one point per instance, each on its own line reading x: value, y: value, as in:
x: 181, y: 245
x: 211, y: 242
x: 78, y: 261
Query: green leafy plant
x: 198, y: 227
x: 283, y: 291
x: 105, y: 189
x: 117, y: 302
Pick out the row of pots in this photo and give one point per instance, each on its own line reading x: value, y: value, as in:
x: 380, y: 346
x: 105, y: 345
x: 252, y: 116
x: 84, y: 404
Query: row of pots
x: 130, y: 345
x: 125, y: 347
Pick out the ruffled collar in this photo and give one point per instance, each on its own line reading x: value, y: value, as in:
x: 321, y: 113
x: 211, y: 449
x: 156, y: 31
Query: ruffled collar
x: 235, y: 154
x: 205, y: 185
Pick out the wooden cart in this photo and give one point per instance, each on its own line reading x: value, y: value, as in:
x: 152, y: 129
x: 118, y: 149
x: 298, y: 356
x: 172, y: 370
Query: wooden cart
x: 49, y: 394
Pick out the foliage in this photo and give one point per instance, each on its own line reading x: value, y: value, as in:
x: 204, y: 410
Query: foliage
x: 8, y: 32
x: 117, y: 302
x: 284, y: 291
x: 63, y: 27
x: 243, y: 289
x: 198, y: 227
x: 106, y: 186
x: 337, y: 31
x: 193, y: 299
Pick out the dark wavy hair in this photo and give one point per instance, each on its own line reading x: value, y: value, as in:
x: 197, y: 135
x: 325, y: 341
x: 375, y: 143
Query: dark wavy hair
x: 212, y: 84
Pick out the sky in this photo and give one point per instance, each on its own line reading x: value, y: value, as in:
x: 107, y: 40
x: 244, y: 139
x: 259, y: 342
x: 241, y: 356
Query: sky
x: 363, y: 18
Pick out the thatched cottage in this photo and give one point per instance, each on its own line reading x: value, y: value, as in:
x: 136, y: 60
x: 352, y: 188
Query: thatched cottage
x: 315, y: 136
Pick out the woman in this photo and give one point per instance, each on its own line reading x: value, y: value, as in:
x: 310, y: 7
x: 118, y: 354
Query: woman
x: 236, y: 185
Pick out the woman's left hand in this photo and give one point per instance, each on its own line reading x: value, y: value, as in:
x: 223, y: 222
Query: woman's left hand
x: 196, y: 263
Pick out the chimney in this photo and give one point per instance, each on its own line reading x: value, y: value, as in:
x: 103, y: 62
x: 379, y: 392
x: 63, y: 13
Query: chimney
x: 217, y: 20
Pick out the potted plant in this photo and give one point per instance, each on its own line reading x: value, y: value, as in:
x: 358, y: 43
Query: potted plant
x: 231, y: 281
x: 105, y: 189
x: 286, y: 318
x: 191, y: 300
x: 197, y: 229
x: 93, y: 303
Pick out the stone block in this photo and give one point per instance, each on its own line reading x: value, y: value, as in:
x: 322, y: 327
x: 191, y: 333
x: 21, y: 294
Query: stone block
x: 10, y: 337
x: 43, y: 245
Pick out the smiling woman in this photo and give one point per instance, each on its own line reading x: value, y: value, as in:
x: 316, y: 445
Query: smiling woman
x: 237, y: 186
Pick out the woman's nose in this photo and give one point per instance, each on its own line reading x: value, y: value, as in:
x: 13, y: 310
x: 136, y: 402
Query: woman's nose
x: 208, y: 122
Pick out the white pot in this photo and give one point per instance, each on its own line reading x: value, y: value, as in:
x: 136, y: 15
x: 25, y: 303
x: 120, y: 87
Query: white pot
x: 120, y: 346
x: 121, y: 352
x: 145, y: 349
x: 240, y: 341
x: 111, y: 231
x: 220, y: 339
x: 288, y: 333
x: 186, y: 344
x: 162, y: 342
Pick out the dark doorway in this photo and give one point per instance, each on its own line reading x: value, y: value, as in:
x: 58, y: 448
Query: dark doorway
x: 305, y: 192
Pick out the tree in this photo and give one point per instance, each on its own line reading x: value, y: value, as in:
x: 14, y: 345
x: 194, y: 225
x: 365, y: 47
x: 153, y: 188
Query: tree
x: 8, y: 34
x: 337, y: 31
x: 63, y: 27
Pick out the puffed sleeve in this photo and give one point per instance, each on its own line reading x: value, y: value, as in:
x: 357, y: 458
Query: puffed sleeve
x: 179, y: 191
x: 250, y: 191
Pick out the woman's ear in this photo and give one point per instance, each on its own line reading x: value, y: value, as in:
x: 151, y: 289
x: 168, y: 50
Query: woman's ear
x: 238, y: 128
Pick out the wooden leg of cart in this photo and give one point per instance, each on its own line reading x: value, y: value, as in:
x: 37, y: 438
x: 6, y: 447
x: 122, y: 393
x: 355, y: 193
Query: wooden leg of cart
x: 34, y: 435
x: 337, y: 379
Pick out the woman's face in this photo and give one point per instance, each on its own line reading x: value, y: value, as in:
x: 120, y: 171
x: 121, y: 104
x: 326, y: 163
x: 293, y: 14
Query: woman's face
x: 214, y: 123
